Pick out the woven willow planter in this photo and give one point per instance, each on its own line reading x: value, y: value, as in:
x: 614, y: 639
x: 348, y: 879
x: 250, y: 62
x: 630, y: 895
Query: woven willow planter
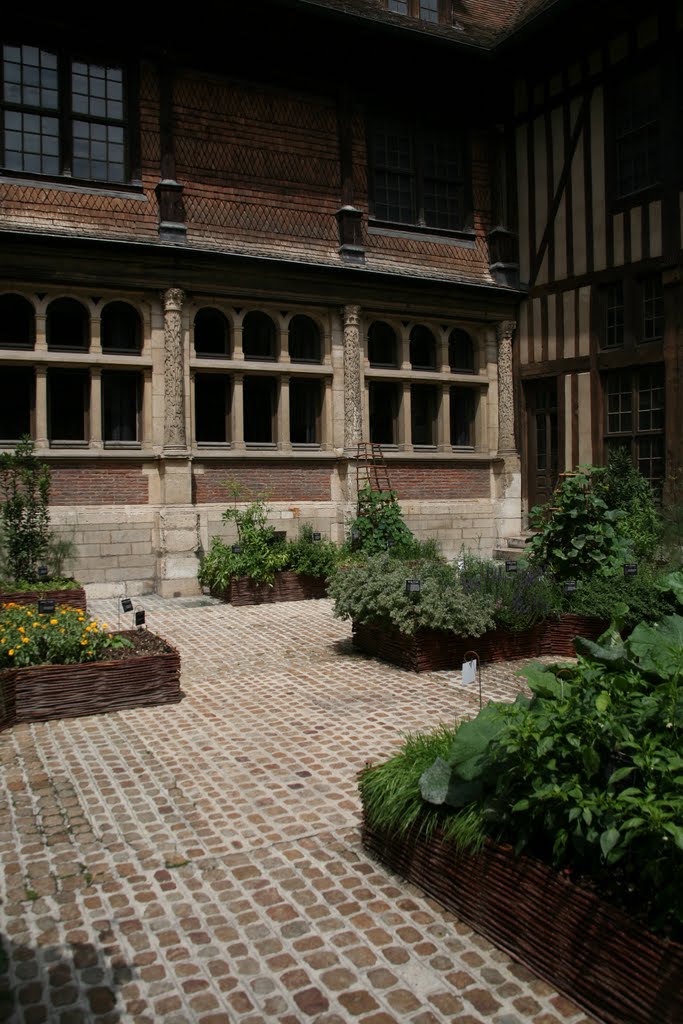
x: 589, y: 950
x: 433, y: 651
x: 287, y: 586
x: 44, y: 692
x: 74, y: 597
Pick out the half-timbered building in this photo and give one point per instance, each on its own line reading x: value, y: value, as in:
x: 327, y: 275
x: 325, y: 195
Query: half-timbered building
x: 242, y: 246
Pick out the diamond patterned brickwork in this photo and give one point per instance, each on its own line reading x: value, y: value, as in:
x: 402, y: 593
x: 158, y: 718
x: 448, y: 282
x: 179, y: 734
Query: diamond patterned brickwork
x: 259, y: 167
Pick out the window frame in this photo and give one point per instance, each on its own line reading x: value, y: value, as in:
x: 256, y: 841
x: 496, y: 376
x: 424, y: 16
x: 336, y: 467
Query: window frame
x: 66, y: 117
x: 635, y: 81
x: 419, y: 130
x: 631, y: 437
x: 621, y: 319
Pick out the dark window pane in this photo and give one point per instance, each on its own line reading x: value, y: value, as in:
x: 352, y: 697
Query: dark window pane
x: 382, y: 345
x: 258, y: 336
x: 211, y: 333
x: 653, y: 309
x: 259, y: 409
x: 614, y: 327
x: 463, y: 407
x: 120, y: 404
x: 17, y: 322
x: 423, y: 414
x: 637, y: 135
x: 67, y: 394
x: 68, y: 324
x: 422, y: 348
x: 121, y: 328
x: 429, y: 10
x: 460, y: 352
x: 212, y: 408
x: 17, y: 402
x: 383, y: 400
x: 304, y: 340
x: 304, y: 411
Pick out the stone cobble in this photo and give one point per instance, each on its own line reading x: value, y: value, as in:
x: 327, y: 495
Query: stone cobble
x: 201, y: 862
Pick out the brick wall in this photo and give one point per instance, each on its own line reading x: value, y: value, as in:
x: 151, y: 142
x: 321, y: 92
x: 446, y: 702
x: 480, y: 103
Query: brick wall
x: 259, y: 166
x: 303, y: 482
x: 441, y: 481
x: 111, y: 483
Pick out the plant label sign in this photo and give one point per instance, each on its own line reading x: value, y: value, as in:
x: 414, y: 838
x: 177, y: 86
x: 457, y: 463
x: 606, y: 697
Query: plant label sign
x: 469, y: 671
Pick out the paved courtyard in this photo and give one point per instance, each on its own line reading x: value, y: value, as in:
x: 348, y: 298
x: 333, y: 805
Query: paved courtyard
x: 201, y: 862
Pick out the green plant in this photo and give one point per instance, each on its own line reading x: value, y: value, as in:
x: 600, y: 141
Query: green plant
x: 258, y: 554
x: 379, y: 525
x: 63, y: 637
x: 520, y: 598
x: 312, y: 557
x: 25, y: 488
x: 578, y: 533
x: 373, y: 590
x: 587, y: 773
x: 599, y: 593
x: 622, y: 487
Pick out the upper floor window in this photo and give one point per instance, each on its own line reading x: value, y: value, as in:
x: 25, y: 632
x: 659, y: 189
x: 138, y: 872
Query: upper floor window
x: 67, y: 325
x: 418, y: 175
x: 422, y: 348
x: 382, y: 344
x: 637, y: 134
x: 460, y: 351
x: 425, y: 10
x: 62, y: 116
x: 258, y: 336
x: 633, y: 312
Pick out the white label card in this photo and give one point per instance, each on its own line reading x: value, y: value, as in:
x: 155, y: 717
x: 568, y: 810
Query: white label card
x: 469, y: 671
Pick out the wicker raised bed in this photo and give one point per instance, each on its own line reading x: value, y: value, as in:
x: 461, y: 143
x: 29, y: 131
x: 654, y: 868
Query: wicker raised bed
x: 287, y: 586
x: 586, y: 948
x: 432, y: 651
x: 44, y: 692
x: 73, y: 597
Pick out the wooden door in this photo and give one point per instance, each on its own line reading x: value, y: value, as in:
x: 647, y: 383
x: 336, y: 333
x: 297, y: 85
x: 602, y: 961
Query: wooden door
x: 542, y: 440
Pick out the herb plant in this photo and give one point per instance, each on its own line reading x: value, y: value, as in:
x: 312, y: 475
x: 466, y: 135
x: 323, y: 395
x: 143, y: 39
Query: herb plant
x: 63, y: 637
x: 25, y: 494
x: 379, y: 524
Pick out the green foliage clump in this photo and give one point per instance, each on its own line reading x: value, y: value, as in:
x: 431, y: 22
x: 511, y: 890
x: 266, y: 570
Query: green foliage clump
x: 586, y: 774
x: 598, y: 595
x: 310, y: 557
x: 379, y: 524
x: 373, y: 590
x: 622, y: 487
x: 578, y: 534
x: 24, y: 508
x: 63, y: 637
x: 520, y: 599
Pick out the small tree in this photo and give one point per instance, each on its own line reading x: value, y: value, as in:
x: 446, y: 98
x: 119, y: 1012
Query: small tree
x: 24, y: 509
x: 379, y: 525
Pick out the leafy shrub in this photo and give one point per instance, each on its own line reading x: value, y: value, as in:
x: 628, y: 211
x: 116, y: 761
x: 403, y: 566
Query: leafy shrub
x: 374, y: 591
x: 520, y: 599
x: 25, y: 490
x: 312, y: 557
x: 578, y: 534
x: 63, y: 637
x: 379, y: 525
x: 622, y: 487
x: 587, y: 774
x: 599, y: 593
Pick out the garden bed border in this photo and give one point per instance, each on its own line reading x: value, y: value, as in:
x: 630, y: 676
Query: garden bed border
x: 606, y: 962
x: 287, y: 586
x: 74, y: 597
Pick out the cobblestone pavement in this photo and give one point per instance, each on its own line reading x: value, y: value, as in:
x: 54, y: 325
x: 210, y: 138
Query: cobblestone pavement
x: 201, y: 862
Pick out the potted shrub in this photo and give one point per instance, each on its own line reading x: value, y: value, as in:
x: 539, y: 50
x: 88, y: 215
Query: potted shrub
x: 62, y: 664
x: 554, y: 825
x: 30, y: 551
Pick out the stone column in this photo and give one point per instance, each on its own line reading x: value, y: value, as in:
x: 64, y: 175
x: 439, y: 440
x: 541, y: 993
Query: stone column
x: 283, y: 439
x: 405, y: 418
x: 326, y: 426
x: 41, y: 406
x: 353, y: 420
x: 237, y: 413
x: 96, y: 407
x: 506, y: 415
x: 175, y: 441
x: 444, y: 418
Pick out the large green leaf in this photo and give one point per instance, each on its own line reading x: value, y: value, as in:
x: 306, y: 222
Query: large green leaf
x: 472, y: 740
x: 659, y: 648
x: 673, y: 582
x: 434, y: 782
x: 545, y: 683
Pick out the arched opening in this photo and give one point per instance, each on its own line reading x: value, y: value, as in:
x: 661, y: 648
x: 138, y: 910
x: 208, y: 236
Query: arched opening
x: 258, y: 336
x: 422, y: 348
x: 460, y: 351
x: 382, y: 344
x: 17, y: 322
x: 67, y: 324
x: 211, y: 333
x: 304, y: 340
x: 120, y: 328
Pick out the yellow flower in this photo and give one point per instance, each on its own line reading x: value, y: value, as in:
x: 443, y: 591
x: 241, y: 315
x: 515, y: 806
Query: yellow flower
x: 36, y: 623
x: 83, y: 643
x: 21, y: 629
x: 25, y: 640
x: 104, y: 625
x: 53, y: 622
x: 11, y: 652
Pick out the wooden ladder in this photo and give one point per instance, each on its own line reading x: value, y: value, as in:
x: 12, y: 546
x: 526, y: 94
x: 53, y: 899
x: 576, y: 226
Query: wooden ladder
x: 371, y: 467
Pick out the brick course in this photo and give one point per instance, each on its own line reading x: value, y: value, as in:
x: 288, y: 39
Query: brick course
x: 291, y: 482
x: 441, y: 481
x: 82, y: 483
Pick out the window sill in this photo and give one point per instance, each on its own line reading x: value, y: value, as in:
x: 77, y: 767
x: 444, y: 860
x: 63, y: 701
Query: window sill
x: 122, y: 445
x: 66, y: 184
x: 465, y: 238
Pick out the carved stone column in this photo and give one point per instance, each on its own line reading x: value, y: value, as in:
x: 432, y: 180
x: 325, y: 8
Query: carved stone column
x: 506, y: 415
x: 353, y: 420
x: 174, y: 373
